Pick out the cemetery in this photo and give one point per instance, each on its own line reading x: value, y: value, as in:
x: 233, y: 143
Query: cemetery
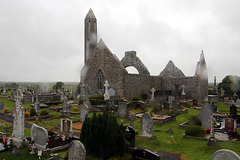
x: 166, y: 129
x: 111, y: 114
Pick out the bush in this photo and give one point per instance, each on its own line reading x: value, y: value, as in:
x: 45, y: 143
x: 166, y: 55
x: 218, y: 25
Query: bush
x: 102, y: 136
x: 195, y: 131
x: 27, y: 113
x: 195, y: 120
x: 43, y: 113
x: 32, y: 112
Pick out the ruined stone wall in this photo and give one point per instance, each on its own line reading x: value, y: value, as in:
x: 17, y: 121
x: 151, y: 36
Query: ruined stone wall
x: 191, y: 84
x: 136, y: 85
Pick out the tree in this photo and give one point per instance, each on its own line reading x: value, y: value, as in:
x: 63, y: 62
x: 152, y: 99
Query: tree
x: 230, y: 84
x: 102, y: 136
x: 58, y: 85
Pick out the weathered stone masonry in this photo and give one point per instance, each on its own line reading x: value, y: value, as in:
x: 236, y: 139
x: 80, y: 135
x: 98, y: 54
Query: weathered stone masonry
x: 101, y: 64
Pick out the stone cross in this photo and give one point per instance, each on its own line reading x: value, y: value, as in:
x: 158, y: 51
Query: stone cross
x: 18, y: 116
x: 106, y: 95
x: 183, y: 92
x: 152, y: 96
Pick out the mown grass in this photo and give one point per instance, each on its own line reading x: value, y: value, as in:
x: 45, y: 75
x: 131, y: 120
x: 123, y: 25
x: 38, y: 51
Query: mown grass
x: 190, y: 148
x: 23, y: 155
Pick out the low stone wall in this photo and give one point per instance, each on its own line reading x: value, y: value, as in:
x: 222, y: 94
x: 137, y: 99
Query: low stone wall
x: 166, y: 120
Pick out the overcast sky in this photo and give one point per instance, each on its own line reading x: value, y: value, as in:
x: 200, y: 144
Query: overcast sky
x: 42, y: 40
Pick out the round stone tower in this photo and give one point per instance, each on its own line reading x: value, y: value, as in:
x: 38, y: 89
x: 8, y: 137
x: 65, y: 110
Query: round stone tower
x: 90, y: 40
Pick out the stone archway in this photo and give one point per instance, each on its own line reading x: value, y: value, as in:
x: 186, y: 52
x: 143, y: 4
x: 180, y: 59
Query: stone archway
x: 130, y: 59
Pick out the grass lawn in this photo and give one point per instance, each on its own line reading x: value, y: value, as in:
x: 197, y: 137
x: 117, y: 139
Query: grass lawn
x: 190, y: 148
x: 24, y: 155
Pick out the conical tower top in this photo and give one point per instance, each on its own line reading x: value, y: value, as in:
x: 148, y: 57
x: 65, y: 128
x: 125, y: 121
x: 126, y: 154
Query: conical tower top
x: 90, y: 15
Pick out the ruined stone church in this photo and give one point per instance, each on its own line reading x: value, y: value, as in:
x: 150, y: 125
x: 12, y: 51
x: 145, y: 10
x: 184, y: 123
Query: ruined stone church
x: 101, y: 65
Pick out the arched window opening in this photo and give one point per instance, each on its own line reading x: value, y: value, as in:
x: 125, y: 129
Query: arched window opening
x: 100, y: 80
x: 132, y: 70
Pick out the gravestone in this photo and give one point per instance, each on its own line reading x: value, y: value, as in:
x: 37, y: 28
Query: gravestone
x: 205, y: 114
x: 18, y: 117
x: 130, y: 134
x: 225, y: 154
x: 65, y: 107
x: 233, y: 110
x: 66, y: 126
x: 152, y: 95
x: 122, y: 109
x: 40, y: 136
x: 147, y: 126
x: 76, y: 151
x: 144, y: 154
x: 111, y: 92
x: 170, y: 100
x: 37, y: 104
x: 84, y: 112
x: 132, y: 118
x: 106, y: 95
x: 230, y: 123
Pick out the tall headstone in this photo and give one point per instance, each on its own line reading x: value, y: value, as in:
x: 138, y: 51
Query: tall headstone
x: 106, y: 95
x: 233, y: 110
x: 40, y: 137
x: 147, y: 126
x: 122, y: 109
x: 76, y: 151
x: 66, y: 126
x: 205, y: 114
x: 225, y: 154
x: 65, y: 107
x: 84, y: 112
x: 152, y: 94
x: 37, y: 104
x: 18, y: 117
x: 132, y: 118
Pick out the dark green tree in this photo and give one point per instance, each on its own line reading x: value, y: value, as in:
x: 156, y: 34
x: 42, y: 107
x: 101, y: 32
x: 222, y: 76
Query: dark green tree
x: 102, y: 136
x: 230, y: 84
x: 58, y: 85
